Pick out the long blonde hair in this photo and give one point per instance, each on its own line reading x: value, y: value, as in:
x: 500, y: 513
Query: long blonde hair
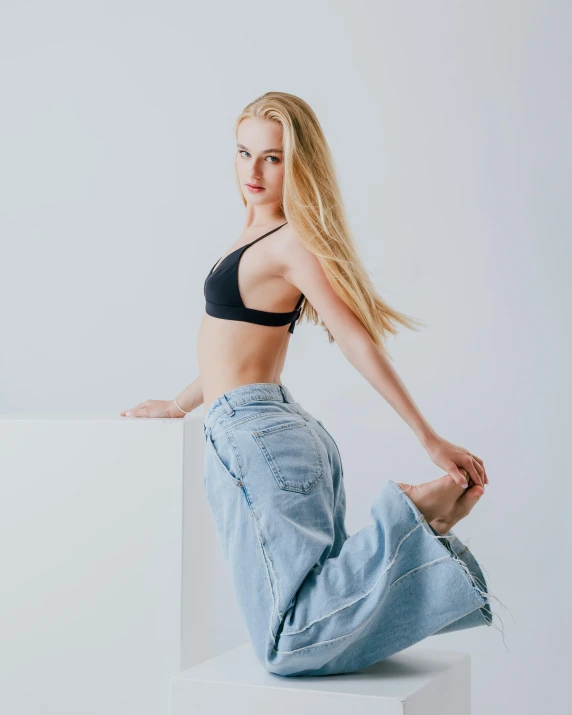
x: 312, y: 203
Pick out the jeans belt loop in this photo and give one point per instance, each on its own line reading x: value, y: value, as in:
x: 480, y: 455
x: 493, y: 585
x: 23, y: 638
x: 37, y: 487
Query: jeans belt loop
x: 227, y: 405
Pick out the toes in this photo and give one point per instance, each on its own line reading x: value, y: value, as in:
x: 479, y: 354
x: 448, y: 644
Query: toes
x: 452, y: 484
x: 475, y: 492
x: 467, y: 501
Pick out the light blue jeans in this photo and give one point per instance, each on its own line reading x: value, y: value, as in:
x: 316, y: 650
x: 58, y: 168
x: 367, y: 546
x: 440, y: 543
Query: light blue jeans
x: 316, y: 600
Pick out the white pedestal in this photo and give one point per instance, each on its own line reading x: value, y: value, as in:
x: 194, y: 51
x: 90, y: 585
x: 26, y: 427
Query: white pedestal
x: 107, y: 602
x: 105, y: 592
x: 417, y: 681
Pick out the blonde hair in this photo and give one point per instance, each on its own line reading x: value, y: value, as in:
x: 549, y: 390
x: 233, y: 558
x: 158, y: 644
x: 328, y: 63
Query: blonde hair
x: 312, y: 204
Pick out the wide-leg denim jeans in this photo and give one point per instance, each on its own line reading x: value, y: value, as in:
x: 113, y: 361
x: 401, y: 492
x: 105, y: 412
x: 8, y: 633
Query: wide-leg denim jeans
x: 316, y: 600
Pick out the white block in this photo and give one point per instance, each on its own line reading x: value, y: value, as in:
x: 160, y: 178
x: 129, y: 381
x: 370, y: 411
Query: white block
x: 105, y: 592
x: 417, y: 681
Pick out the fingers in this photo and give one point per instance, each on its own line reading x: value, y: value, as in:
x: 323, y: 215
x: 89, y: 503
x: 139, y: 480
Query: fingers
x: 150, y: 408
x: 480, y: 468
x: 137, y: 411
x: 458, y: 474
x: 476, y: 471
x: 480, y: 461
x: 473, y: 469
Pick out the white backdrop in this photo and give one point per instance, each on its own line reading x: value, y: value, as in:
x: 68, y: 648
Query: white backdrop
x: 449, y: 124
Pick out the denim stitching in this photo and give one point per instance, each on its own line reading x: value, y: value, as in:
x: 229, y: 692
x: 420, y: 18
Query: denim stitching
x: 221, y: 464
x: 417, y: 568
x: 273, y: 464
x: 267, y: 564
x: 473, y: 580
x: 482, y: 590
x: 265, y: 557
x: 359, y: 598
x: 323, y: 643
x: 336, y: 444
x: 274, y: 584
x: 328, y: 643
x: 267, y: 398
x: 231, y: 424
x: 223, y: 412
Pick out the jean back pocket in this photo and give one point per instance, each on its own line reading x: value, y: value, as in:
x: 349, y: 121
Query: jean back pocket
x: 292, y: 452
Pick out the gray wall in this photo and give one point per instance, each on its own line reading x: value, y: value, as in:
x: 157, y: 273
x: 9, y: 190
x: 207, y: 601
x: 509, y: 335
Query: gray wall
x: 449, y: 123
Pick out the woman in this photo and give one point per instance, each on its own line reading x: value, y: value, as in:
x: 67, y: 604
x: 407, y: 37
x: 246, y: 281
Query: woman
x: 315, y: 600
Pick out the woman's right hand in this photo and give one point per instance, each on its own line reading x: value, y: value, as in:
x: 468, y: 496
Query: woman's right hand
x: 154, y: 408
x: 453, y: 459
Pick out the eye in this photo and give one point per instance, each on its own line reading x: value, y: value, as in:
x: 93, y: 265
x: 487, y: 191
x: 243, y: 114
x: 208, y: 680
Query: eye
x: 270, y: 156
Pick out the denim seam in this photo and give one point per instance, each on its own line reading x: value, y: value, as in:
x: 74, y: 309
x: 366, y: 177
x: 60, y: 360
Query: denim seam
x: 221, y: 464
x: 359, y: 598
x: 323, y: 644
x: 482, y: 589
x: 274, y: 585
x: 266, y: 557
x: 233, y: 423
x: 327, y: 643
x: 474, y: 581
x: 417, y: 568
x: 336, y: 445
x: 246, y: 400
x: 269, y: 568
x: 215, y: 417
x: 255, y: 398
x: 213, y: 423
x: 484, y: 595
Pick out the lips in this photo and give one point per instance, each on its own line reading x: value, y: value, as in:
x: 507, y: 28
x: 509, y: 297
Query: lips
x: 254, y: 186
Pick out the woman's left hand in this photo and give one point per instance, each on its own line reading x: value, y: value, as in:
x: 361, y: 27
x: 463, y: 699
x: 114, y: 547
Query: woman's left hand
x: 452, y: 458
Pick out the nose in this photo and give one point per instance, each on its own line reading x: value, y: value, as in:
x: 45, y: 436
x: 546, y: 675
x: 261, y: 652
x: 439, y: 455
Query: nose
x: 254, y: 166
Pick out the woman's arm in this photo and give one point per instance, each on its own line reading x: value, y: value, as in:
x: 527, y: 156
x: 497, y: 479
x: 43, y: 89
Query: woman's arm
x: 191, y: 397
x: 302, y: 269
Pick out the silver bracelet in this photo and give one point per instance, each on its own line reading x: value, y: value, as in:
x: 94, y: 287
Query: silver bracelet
x: 179, y: 406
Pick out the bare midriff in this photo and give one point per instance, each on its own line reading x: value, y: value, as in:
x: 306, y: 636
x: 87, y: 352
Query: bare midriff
x: 232, y: 353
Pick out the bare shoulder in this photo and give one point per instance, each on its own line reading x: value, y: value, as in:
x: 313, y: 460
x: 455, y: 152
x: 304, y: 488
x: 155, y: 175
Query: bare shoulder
x: 302, y: 269
x: 291, y: 255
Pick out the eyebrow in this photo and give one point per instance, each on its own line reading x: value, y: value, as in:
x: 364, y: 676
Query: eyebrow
x: 266, y: 151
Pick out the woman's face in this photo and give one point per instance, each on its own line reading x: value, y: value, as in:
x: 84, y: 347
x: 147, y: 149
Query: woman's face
x: 259, y: 160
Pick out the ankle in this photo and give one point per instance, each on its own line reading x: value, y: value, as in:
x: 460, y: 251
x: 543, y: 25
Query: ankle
x: 442, y: 525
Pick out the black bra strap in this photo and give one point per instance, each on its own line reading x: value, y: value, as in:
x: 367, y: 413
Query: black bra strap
x: 296, y: 310
x: 243, y: 248
x: 266, y: 234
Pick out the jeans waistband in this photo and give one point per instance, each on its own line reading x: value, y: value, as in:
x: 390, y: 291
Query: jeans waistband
x: 226, y: 402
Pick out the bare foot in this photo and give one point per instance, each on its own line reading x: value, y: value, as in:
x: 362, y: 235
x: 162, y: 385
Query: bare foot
x: 434, y: 499
x: 459, y: 510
